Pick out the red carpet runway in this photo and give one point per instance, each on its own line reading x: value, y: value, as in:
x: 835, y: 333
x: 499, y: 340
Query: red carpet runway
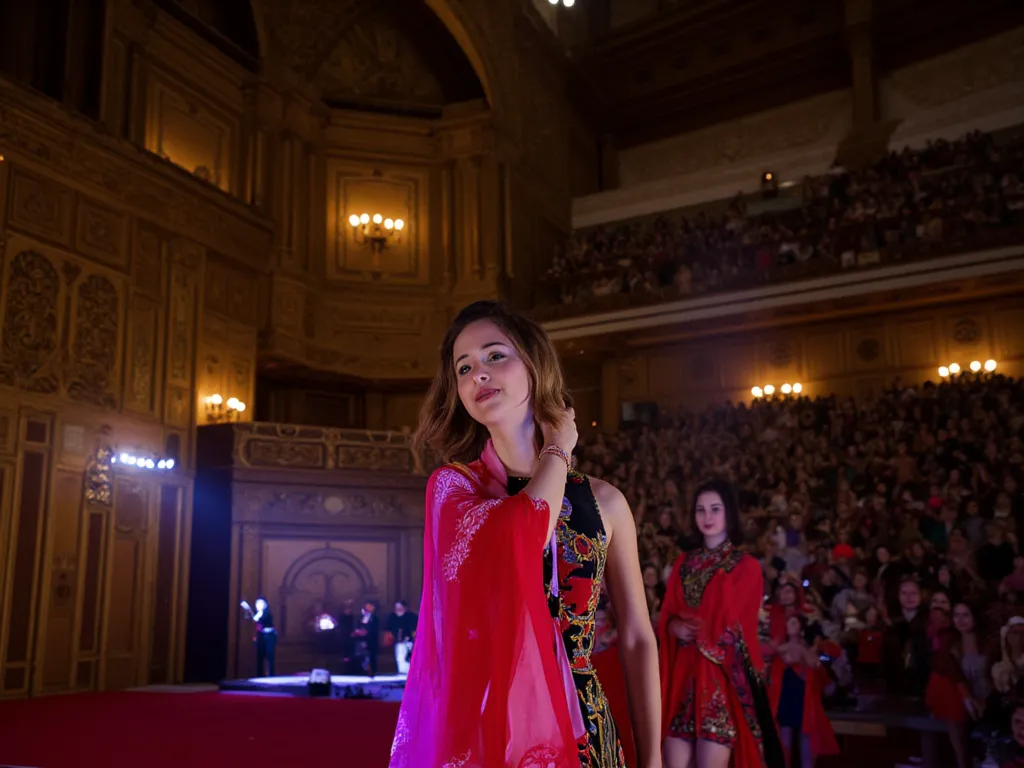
x: 197, y: 730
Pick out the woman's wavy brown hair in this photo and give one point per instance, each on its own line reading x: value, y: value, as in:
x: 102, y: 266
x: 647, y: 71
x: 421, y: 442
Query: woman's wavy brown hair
x: 446, y: 428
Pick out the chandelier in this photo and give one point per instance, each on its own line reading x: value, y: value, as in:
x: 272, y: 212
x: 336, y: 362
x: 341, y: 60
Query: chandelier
x: 376, y: 231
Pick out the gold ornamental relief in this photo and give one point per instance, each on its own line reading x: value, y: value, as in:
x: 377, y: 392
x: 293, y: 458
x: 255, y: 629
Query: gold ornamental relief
x: 94, y: 353
x: 29, y: 345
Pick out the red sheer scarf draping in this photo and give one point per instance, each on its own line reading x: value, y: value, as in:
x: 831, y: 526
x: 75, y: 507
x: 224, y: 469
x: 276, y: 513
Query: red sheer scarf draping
x: 484, y: 689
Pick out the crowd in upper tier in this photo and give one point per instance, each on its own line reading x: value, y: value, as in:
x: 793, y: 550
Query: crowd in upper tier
x: 950, y: 196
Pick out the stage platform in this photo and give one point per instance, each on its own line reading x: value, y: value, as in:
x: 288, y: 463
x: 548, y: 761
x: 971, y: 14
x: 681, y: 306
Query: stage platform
x: 380, y: 688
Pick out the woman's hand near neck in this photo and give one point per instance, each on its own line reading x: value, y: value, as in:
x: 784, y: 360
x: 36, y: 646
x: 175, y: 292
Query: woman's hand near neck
x: 517, y: 450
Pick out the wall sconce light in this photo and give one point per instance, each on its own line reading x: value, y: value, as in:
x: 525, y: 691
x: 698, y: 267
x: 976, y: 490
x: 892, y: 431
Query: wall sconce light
x: 566, y: 3
x: 220, y: 412
x: 768, y: 390
x: 376, y: 230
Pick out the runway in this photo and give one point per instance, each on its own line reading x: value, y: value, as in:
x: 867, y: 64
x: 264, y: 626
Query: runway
x: 380, y: 688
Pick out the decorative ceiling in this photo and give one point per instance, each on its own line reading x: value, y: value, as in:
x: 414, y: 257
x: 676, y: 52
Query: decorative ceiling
x: 398, y: 56
x: 699, y: 63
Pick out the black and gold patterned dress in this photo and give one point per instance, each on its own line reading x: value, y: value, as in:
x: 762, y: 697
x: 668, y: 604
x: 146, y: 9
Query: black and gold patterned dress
x: 582, y: 553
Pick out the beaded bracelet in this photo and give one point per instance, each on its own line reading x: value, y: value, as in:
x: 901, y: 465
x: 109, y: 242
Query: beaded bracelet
x: 554, y: 450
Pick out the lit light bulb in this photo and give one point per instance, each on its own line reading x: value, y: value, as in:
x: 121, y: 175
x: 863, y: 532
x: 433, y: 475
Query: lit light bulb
x: 216, y: 399
x: 756, y: 392
x: 161, y: 464
x: 798, y: 388
x: 568, y: 3
x: 943, y: 371
x: 240, y: 407
x: 389, y: 223
x: 364, y: 218
x: 769, y: 390
x: 975, y: 365
x: 787, y: 388
x: 954, y: 368
x: 990, y: 365
x: 353, y: 220
x: 233, y: 403
x: 170, y: 463
x: 377, y: 218
x: 399, y: 225
x: 150, y: 464
x: 553, y: 2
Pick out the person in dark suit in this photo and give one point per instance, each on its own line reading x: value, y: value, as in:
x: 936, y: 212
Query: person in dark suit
x: 266, y: 638
x: 367, y: 637
x: 401, y: 630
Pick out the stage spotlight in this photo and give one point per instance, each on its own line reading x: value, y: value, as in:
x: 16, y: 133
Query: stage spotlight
x: 798, y: 388
x: 943, y: 371
x: 319, y: 683
x: 769, y: 390
x: 975, y: 366
x: 757, y: 392
x: 787, y: 388
x: 954, y: 368
x: 990, y: 365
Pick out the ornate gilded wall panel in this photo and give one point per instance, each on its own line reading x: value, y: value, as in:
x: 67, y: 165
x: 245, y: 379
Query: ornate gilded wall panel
x: 915, y: 342
x: 182, y: 318
x: 167, y: 589
x: 8, y: 427
x: 142, y: 360
x: 848, y: 357
x: 42, y: 207
x: 396, y: 192
x: 148, y: 260
x: 966, y: 336
x: 101, y: 234
x: 31, y: 330
x: 123, y: 651
x: 189, y: 130
x: 868, y: 348
x: 61, y: 581
x: 94, y: 368
x: 1009, y: 330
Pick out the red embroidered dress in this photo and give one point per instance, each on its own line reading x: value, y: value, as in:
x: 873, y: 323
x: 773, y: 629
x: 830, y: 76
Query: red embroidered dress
x: 485, y: 689
x: 711, y: 687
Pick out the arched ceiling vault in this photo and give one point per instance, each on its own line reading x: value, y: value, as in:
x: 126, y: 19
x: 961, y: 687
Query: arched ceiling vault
x: 376, y: 53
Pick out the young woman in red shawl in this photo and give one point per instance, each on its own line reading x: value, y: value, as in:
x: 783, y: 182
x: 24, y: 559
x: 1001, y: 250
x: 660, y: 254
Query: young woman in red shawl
x: 797, y: 684
x: 502, y: 675
x: 715, y: 707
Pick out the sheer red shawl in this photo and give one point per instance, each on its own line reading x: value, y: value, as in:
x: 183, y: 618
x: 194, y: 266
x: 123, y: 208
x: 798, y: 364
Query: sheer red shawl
x: 484, y: 689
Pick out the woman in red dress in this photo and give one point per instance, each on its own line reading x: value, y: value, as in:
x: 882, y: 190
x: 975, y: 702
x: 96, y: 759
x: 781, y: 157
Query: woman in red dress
x: 714, y: 702
x: 491, y: 684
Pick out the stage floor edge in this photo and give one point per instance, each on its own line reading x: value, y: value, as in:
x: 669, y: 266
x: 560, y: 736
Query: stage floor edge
x: 381, y: 688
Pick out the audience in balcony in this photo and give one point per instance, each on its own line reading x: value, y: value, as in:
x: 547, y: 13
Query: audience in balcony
x: 943, y: 197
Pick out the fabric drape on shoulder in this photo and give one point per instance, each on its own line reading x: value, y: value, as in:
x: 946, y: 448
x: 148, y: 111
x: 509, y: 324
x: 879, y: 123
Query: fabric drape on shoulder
x: 484, y: 688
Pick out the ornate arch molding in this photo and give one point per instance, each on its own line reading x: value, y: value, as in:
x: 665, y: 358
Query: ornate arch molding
x: 469, y: 36
x: 327, y: 553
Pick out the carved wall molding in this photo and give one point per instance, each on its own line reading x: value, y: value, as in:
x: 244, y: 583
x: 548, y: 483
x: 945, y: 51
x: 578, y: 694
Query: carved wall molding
x: 128, y: 177
x: 268, y: 446
x: 303, y: 505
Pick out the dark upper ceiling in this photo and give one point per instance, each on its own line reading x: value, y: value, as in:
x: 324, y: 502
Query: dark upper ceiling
x: 398, y: 56
x: 700, y: 63
x: 227, y: 24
